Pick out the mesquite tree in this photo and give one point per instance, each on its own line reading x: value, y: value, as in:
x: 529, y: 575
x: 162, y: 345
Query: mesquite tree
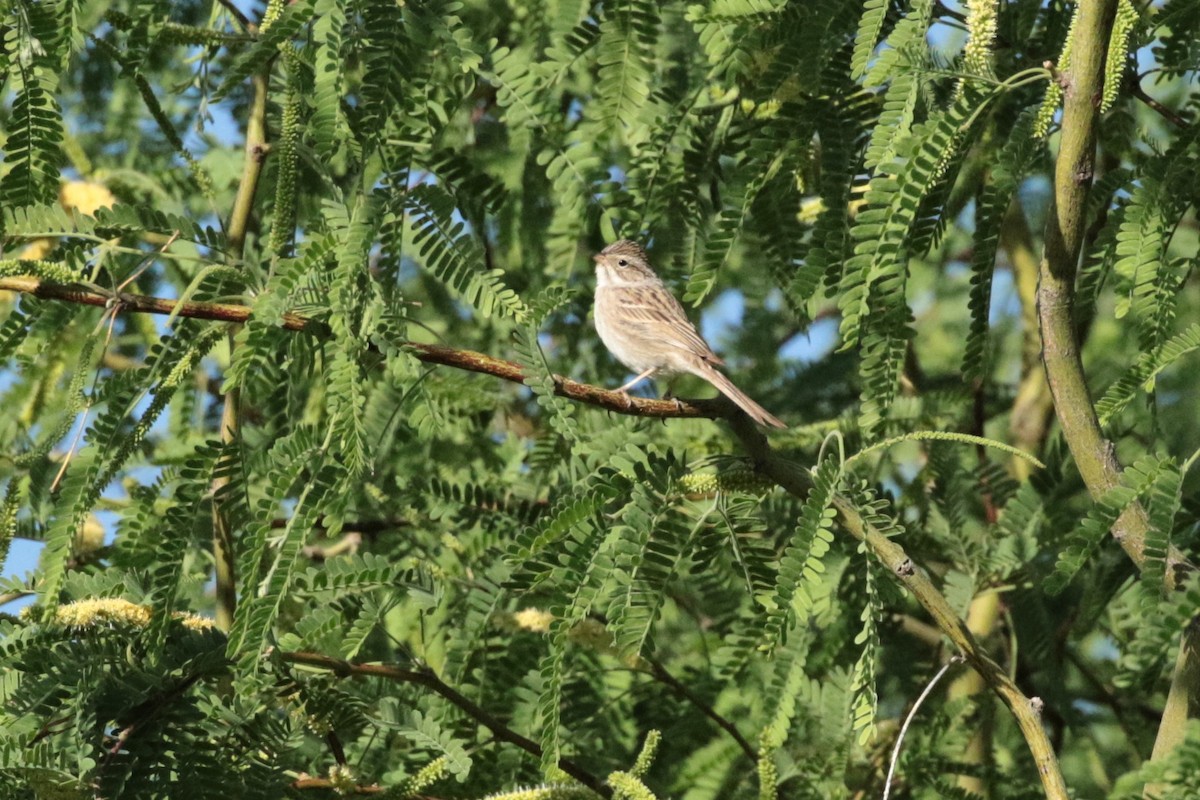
x: 307, y: 424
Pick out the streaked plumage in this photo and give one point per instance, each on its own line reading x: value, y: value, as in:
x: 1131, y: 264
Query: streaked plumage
x: 646, y: 329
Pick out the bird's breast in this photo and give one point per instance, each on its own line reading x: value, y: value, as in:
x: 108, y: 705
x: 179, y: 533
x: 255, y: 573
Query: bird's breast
x: 625, y: 341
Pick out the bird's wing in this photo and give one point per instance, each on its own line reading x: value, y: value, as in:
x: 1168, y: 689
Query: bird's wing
x: 655, y: 314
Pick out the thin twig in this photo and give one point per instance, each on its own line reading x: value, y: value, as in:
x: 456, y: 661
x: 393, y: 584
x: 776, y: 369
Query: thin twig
x: 237, y: 14
x: 310, y: 782
x: 979, y: 418
x: 51, y: 727
x: 10, y: 597
x: 112, y: 308
x: 429, y: 680
x: 146, y: 262
x: 660, y: 674
x: 145, y: 712
x: 368, y: 527
x: 347, y: 544
x: 942, y: 10
x: 887, y: 784
x: 111, y: 314
x: 1167, y: 113
x: 335, y: 747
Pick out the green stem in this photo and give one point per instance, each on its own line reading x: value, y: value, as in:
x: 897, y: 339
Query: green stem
x: 1182, y: 701
x: 239, y: 221
x: 1056, y: 287
x: 1065, y: 228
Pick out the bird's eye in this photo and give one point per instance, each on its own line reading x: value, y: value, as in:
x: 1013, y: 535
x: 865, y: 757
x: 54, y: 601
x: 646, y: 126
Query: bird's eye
x: 622, y: 263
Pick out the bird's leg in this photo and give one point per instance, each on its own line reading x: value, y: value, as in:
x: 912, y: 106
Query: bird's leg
x: 636, y: 381
x: 669, y: 394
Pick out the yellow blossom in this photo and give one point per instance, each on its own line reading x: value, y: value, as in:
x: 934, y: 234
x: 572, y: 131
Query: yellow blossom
x: 533, y: 619
x: 85, y: 197
x: 100, y: 611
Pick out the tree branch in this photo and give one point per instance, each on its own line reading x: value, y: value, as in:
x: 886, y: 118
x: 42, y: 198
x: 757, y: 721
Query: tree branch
x: 1183, y: 699
x: 310, y: 782
x: 1027, y: 711
x: 1095, y: 455
x: 1073, y: 173
x: 345, y: 669
x: 661, y: 674
x: 1168, y: 114
x: 468, y: 360
x: 256, y: 148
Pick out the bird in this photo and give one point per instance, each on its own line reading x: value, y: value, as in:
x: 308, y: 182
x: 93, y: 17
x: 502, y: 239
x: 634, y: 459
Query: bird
x: 646, y: 329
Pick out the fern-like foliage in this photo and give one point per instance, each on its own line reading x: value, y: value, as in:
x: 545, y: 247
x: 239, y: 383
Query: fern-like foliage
x: 1015, y: 159
x: 1177, y: 50
x: 328, y: 123
x: 873, y: 287
x: 869, y: 26
x: 111, y: 445
x: 448, y: 582
x: 1141, y: 376
x: 304, y: 464
x: 1138, y: 480
x: 627, y: 33
x: 865, y: 700
x: 1146, y: 273
x: 349, y: 320
x: 801, y: 563
x: 35, y: 43
x: 1172, y: 777
x: 540, y: 379
x: 455, y: 256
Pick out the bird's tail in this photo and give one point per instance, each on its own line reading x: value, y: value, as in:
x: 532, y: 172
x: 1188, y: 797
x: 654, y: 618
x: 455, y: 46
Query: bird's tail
x: 726, y: 387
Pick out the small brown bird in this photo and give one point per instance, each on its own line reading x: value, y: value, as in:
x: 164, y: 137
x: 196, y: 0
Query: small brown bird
x: 645, y: 327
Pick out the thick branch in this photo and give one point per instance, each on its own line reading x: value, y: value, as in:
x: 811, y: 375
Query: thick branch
x: 1056, y: 285
x: 345, y: 669
x: 796, y: 481
x: 1065, y: 228
x: 1183, y: 698
x: 256, y: 149
x: 469, y: 360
